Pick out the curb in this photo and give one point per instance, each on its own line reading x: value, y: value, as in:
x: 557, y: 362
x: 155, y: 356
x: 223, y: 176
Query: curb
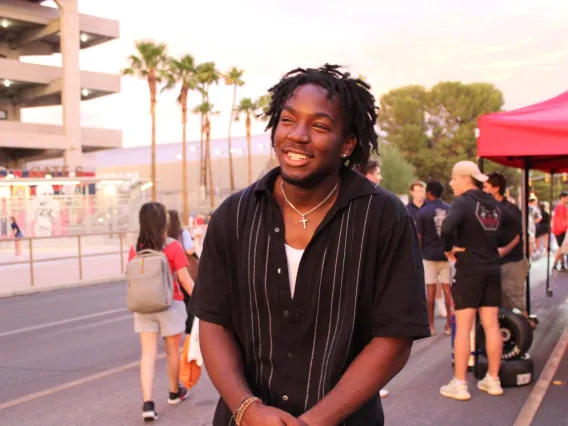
x: 68, y: 286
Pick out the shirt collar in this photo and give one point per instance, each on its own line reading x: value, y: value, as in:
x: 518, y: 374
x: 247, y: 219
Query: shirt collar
x: 353, y: 185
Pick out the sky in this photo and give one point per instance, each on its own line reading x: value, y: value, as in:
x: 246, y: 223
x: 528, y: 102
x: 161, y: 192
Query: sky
x: 520, y: 46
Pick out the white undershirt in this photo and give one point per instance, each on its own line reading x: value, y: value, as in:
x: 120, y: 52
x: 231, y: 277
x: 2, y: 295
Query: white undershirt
x: 294, y: 257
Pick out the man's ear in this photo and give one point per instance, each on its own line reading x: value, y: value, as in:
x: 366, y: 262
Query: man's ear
x: 349, y: 145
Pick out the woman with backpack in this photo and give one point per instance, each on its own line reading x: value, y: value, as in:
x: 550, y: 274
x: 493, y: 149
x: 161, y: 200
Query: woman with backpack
x: 170, y: 323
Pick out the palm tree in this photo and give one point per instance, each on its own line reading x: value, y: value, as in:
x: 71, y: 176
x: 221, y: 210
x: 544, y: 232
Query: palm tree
x: 247, y: 107
x: 233, y: 78
x: 206, y: 109
x: 207, y: 75
x: 183, y: 71
x: 263, y: 105
x: 150, y: 64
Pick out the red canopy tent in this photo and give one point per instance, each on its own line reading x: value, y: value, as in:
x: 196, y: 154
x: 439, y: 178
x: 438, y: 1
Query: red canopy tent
x: 537, y: 134
x: 533, y: 137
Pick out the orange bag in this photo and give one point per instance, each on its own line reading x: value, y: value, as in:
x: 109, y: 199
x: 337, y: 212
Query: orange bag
x: 189, y: 372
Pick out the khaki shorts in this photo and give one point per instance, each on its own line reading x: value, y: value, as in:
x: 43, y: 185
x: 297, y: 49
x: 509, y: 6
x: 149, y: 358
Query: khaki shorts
x: 513, y: 276
x: 168, y: 323
x: 437, y: 272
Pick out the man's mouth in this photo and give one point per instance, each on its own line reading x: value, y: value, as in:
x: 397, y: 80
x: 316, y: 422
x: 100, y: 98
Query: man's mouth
x: 296, y: 157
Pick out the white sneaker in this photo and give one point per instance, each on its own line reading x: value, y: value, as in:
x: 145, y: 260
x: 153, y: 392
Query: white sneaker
x: 491, y: 385
x: 441, y: 308
x: 456, y: 390
x: 384, y: 393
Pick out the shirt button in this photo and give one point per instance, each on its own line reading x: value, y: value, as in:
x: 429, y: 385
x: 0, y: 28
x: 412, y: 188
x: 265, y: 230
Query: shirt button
x: 279, y: 270
x: 286, y: 313
x: 284, y: 397
x: 277, y: 230
x: 290, y: 354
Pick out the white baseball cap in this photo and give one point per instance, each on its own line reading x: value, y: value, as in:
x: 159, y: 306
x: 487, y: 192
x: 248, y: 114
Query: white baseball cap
x: 469, y: 168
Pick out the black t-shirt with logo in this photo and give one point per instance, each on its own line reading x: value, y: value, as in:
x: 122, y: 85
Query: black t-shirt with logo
x: 429, y: 225
x: 474, y: 223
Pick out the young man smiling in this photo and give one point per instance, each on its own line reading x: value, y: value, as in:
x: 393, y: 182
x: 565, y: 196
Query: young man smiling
x: 311, y: 285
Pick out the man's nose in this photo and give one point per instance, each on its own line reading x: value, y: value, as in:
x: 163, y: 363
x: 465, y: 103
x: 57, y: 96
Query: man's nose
x: 299, y: 135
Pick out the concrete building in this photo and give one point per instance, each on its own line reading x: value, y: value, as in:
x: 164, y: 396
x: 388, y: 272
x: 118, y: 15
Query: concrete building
x: 27, y: 28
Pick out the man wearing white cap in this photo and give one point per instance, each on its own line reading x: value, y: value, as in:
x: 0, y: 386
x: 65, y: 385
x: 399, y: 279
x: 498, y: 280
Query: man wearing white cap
x: 470, y: 238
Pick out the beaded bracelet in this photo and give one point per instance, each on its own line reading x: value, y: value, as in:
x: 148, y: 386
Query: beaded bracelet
x: 245, y: 405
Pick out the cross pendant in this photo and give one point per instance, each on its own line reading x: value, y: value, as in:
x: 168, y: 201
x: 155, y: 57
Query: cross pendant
x: 304, y: 221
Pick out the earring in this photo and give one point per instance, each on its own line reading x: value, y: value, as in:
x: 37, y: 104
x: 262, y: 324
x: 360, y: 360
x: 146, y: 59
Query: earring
x: 343, y: 155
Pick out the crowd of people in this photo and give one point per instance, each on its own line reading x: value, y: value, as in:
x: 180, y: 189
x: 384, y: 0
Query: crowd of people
x: 314, y: 282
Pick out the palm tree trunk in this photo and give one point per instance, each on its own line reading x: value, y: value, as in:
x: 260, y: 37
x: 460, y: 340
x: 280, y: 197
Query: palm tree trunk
x: 247, y: 123
x: 202, y: 165
x: 153, y: 160
x: 231, y: 171
x: 208, y: 161
x: 185, y: 195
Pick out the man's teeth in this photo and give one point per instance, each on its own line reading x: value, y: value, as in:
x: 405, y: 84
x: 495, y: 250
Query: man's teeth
x: 294, y: 156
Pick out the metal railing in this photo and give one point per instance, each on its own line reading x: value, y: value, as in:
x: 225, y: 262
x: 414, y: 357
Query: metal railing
x: 39, y: 251
x: 108, y: 240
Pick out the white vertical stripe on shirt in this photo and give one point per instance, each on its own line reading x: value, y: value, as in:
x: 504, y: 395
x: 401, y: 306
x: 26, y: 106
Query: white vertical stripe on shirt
x: 331, y: 353
x: 321, y: 388
x: 358, y: 275
x: 315, y: 332
x: 255, y: 297
x: 269, y: 320
x: 249, y: 264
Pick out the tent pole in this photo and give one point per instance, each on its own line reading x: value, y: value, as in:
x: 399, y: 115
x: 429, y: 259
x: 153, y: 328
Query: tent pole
x: 549, y: 291
x: 480, y: 163
x: 525, y: 210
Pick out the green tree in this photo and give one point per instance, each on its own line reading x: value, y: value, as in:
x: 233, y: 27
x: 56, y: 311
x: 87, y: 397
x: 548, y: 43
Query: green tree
x: 182, y: 71
x: 396, y: 171
x: 233, y: 78
x: 150, y: 63
x: 436, y: 128
x: 247, y: 108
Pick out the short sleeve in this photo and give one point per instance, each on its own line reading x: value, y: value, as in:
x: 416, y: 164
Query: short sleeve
x: 399, y: 305
x: 177, y: 256
x: 211, y: 297
x: 186, y: 240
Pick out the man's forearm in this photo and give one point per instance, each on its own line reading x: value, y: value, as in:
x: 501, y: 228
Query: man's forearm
x: 224, y: 363
x: 504, y: 251
x: 379, y: 362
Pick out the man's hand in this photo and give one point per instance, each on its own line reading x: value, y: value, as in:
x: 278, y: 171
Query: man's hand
x: 451, y: 255
x: 262, y: 415
x: 502, y: 251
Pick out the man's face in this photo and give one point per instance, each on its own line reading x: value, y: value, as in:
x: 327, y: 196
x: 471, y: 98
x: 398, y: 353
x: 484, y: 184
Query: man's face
x: 309, y: 140
x: 564, y: 200
x: 418, y: 193
x: 459, y: 184
x: 490, y: 189
x: 375, y: 176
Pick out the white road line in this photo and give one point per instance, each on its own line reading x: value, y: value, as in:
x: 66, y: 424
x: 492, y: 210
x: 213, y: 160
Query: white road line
x: 65, y: 321
x: 532, y: 404
x: 33, y: 396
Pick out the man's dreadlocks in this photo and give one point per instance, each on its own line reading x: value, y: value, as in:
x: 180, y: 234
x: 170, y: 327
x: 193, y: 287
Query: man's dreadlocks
x: 357, y: 105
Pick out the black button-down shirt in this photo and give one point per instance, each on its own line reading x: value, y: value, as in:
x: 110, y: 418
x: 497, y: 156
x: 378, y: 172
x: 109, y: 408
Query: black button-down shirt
x: 360, y: 277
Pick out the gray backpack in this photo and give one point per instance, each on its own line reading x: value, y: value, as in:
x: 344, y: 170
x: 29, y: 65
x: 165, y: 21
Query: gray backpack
x: 150, y: 282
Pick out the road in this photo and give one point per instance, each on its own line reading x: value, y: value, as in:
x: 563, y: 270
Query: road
x: 70, y: 357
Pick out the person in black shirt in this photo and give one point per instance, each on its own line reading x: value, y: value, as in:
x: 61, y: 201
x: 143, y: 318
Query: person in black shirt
x: 417, y: 198
x: 514, y: 265
x: 17, y: 234
x: 311, y: 285
x: 436, y: 267
x: 470, y: 236
x: 372, y: 171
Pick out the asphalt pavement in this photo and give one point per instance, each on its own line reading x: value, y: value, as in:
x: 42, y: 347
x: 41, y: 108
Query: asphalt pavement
x: 70, y: 357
